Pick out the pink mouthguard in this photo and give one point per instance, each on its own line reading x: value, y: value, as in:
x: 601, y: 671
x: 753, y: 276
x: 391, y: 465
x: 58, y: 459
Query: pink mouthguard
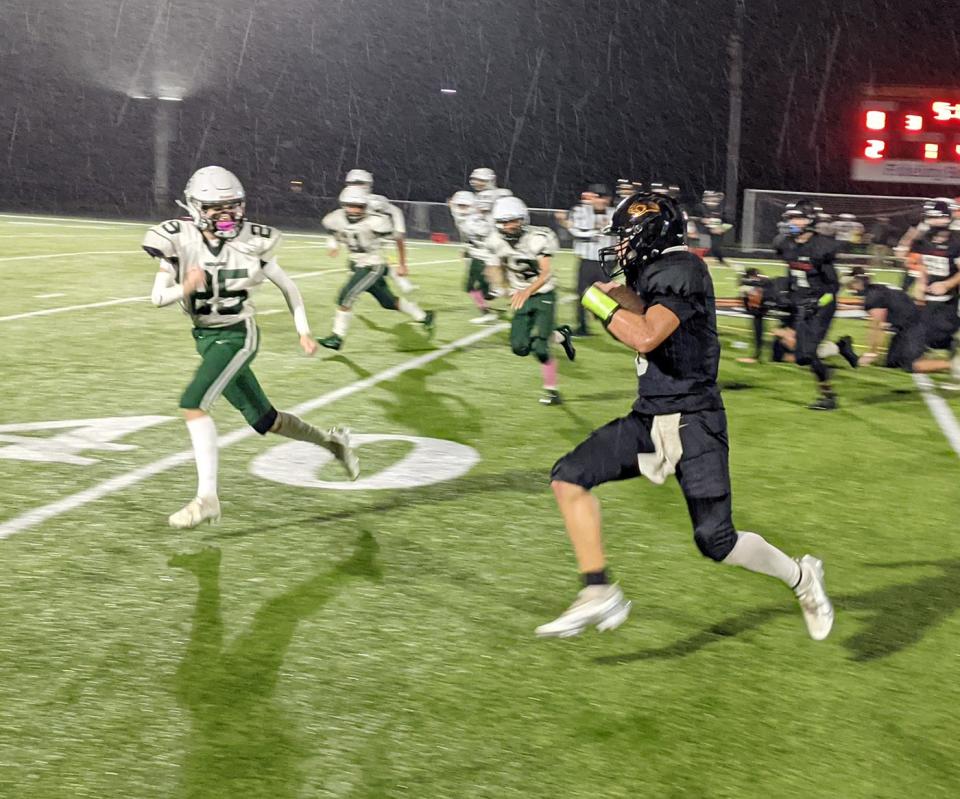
x: 226, y: 224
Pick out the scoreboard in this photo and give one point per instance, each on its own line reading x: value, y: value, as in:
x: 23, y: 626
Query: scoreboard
x: 908, y: 134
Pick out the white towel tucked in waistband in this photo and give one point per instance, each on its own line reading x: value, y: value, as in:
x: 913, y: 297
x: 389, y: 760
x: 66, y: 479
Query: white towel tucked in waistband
x: 657, y: 466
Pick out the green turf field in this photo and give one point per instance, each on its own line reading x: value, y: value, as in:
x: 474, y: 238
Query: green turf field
x: 379, y: 643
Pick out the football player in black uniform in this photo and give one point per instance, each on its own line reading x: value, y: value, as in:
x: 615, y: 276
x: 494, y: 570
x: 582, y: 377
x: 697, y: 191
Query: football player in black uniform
x: 814, y: 286
x: 666, y: 314
x: 935, y: 261
x: 890, y: 307
x: 762, y: 296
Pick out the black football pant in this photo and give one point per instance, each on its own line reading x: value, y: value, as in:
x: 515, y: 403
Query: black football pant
x: 610, y: 453
x: 811, y: 328
x: 588, y: 273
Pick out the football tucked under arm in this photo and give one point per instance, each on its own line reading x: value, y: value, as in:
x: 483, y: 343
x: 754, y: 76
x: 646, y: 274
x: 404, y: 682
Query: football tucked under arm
x: 291, y: 294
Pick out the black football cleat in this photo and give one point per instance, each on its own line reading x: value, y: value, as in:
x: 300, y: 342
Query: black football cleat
x: 429, y: 323
x: 828, y: 402
x: 331, y: 342
x: 845, y: 345
x: 566, y: 341
x: 551, y: 397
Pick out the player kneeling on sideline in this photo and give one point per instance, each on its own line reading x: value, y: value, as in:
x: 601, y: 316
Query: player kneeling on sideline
x: 364, y: 234
x: 525, y: 252
x: 209, y: 267
x: 677, y: 426
x: 891, y: 307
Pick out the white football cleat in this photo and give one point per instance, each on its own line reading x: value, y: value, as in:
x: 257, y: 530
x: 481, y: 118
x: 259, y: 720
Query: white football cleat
x: 196, y: 511
x: 341, y: 446
x: 812, y: 593
x: 483, y: 319
x: 601, y: 605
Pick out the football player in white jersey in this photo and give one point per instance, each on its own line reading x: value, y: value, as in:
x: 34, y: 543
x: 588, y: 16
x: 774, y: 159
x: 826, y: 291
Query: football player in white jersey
x: 525, y: 252
x: 379, y: 204
x: 209, y: 266
x: 474, y: 226
x: 364, y: 234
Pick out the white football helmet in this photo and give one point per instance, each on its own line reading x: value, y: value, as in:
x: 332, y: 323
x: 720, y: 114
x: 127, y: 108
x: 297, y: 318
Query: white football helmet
x: 354, y: 197
x: 360, y: 177
x: 463, y: 202
x: 483, y: 178
x: 215, y: 199
x: 508, y: 210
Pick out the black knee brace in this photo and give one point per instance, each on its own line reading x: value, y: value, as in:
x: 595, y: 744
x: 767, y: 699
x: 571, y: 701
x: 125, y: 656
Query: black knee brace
x: 265, y: 422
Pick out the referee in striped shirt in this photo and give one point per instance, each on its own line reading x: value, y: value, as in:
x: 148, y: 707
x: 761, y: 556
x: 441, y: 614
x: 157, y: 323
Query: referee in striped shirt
x: 586, y: 224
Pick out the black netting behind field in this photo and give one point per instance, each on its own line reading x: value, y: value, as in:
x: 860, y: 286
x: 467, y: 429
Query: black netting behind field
x: 762, y: 211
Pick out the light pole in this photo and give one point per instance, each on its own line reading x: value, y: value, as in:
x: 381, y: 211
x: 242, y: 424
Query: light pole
x: 164, y: 133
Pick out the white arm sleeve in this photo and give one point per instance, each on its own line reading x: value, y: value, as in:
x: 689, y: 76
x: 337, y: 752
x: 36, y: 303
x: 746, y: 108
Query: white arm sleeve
x: 165, y: 288
x: 291, y: 294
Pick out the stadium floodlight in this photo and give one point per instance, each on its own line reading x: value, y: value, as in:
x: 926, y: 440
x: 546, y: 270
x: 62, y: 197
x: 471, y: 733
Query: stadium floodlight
x: 448, y: 91
x: 170, y: 98
x: 140, y: 97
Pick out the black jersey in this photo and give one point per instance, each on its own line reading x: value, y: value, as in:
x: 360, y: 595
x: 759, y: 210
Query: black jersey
x: 902, y: 312
x: 939, y: 250
x: 681, y: 374
x: 811, y: 264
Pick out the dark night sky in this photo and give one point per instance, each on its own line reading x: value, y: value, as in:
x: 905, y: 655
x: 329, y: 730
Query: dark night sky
x: 551, y: 93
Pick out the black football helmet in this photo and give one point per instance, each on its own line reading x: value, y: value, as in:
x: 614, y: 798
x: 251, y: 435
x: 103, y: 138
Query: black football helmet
x: 800, y: 210
x: 938, y: 212
x: 646, y: 224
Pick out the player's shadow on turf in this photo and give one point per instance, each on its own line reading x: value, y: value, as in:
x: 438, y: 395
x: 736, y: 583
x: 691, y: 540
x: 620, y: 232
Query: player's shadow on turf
x: 240, y: 742
x: 408, y: 336
x: 892, y: 618
x: 408, y: 401
x: 352, y: 365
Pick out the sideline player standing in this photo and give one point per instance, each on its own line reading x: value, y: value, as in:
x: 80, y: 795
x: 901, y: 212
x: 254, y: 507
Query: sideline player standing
x: 364, y: 233
x: 666, y: 313
x: 814, y: 286
x: 525, y: 252
x: 209, y: 266
x: 935, y: 261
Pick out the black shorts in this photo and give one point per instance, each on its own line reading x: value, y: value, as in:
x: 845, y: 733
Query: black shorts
x: 942, y: 323
x: 907, y: 346
x: 811, y: 327
x: 610, y: 453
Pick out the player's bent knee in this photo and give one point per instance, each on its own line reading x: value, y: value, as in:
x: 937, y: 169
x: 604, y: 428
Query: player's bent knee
x: 715, y: 542
x: 520, y: 349
x: 568, y: 476
x: 264, y: 424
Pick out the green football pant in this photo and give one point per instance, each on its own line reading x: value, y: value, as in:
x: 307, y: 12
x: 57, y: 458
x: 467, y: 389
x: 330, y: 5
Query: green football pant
x: 533, y: 326
x: 370, y: 279
x: 227, y: 353
x: 476, y: 279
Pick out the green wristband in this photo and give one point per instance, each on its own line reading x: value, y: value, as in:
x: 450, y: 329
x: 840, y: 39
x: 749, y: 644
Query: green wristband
x: 599, y: 304
x: 825, y: 299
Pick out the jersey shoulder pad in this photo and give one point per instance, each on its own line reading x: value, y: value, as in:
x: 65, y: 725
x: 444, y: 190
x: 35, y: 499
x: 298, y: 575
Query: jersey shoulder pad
x: 543, y: 241
x: 335, y: 220
x: 681, y: 274
x: 380, y: 223
x: 264, y: 240
x: 161, y: 240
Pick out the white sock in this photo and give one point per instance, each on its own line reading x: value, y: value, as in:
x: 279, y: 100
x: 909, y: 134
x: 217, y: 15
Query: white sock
x: 827, y: 349
x: 752, y: 552
x: 203, y: 434
x: 402, y: 280
x: 341, y: 322
x: 411, y: 309
x: 294, y: 427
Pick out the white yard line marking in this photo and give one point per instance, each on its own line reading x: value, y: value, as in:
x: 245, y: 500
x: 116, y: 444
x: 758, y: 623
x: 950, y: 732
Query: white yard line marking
x: 49, y: 296
x: 121, y: 300
x: 67, y: 255
x: 45, y: 512
x: 940, y: 410
x: 91, y: 222
x: 64, y: 308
